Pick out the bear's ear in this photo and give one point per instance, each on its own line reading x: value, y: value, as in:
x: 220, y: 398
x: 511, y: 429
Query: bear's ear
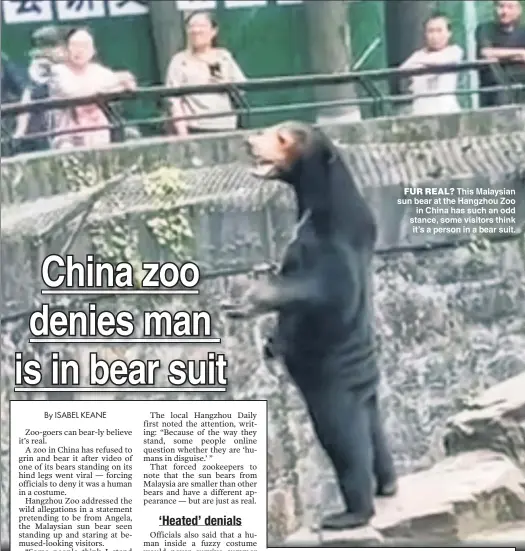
x: 289, y: 145
x: 287, y: 139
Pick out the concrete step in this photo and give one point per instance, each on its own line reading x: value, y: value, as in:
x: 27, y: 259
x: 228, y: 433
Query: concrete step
x: 458, y: 497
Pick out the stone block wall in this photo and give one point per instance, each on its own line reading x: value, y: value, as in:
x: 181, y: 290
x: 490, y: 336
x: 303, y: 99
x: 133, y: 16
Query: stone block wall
x: 451, y: 322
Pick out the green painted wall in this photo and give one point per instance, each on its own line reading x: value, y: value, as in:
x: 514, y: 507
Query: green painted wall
x: 267, y: 41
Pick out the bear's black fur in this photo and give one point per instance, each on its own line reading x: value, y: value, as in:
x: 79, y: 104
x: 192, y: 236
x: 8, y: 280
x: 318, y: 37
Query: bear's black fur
x: 325, y: 330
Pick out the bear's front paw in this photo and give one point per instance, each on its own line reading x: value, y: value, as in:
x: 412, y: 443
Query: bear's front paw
x: 262, y: 295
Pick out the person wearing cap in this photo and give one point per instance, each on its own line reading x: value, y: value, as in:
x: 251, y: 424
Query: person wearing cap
x: 48, y: 49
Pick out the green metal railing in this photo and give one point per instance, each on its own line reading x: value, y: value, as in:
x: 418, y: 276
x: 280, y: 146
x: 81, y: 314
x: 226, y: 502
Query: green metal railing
x: 379, y: 103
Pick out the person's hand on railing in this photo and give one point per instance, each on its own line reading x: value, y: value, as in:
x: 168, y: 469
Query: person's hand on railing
x: 520, y: 56
x: 178, y: 124
x: 19, y: 132
x: 16, y: 141
x: 127, y: 80
x: 181, y: 128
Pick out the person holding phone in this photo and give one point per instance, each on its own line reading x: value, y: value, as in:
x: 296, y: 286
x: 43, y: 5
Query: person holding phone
x: 202, y: 62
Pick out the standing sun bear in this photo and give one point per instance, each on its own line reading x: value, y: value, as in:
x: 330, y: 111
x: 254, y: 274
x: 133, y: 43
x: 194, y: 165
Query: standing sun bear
x: 323, y: 297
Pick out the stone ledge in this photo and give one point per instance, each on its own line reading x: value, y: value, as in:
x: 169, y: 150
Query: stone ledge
x: 29, y: 176
x: 358, y: 537
x: 305, y: 537
x: 512, y: 532
x: 494, y: 420
x: 459, y: 496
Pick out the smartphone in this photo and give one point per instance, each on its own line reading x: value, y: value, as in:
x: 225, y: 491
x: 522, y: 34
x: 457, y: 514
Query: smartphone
x: 215, y: 69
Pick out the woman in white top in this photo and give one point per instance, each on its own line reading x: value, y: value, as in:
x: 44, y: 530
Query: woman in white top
x: 79, y: 76
x: 437, y: 51
x: 202, y: 62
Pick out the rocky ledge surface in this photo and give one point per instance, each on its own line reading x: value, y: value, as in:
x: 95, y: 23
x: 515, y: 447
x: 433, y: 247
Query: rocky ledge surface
x: 494, y: 420
x: 475, y: 494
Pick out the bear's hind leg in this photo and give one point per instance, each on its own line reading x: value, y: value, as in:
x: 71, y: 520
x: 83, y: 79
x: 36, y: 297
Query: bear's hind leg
x: 384, y: 470
x: 342, y: 424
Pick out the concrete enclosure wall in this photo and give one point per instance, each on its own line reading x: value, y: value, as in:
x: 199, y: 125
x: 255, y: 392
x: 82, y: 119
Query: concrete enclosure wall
x: 450, y: 321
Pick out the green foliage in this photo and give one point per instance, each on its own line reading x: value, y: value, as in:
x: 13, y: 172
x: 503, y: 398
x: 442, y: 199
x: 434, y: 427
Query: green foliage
x: 78, y: 175
x: 119, y: 240
x: 172, y: 229
x: 114, y: 242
